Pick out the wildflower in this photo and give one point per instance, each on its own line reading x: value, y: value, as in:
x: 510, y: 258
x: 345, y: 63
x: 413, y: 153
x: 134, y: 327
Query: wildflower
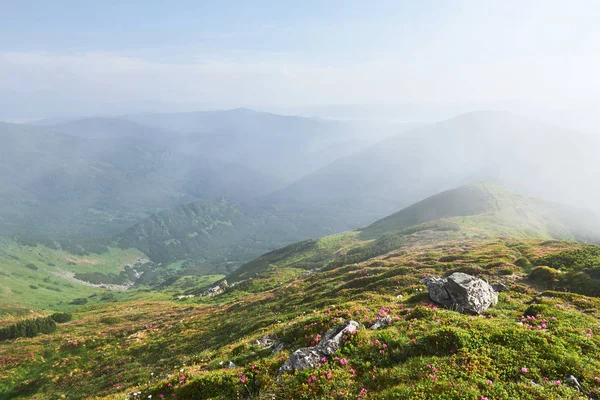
x: 162, y: 396
x: 490, y: 383
x: 524, y: 370
x: 597, y: 378
x: 432, y: 376
x: 343, y: 361
x: 384, y: 346
x: 557, y: 383
x: 382, y: 351
x: 352, y: 371
x: 484, y: 398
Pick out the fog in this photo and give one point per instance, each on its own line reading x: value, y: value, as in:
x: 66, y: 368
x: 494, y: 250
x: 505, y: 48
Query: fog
x: 353, y: 108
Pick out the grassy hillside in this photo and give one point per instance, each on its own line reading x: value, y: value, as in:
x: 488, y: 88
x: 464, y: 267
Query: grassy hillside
x: 471, y: 212
x: 38, y: 277
x: 165, y: 349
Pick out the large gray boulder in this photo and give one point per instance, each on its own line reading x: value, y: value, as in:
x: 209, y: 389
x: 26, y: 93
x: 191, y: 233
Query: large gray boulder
x: 462, y: 292
x: 309, y: 357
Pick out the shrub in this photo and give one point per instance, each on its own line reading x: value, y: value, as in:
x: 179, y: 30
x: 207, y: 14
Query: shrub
x: 28, y: 328
x: 61, y: 317
x: 79, y: 301
x: 33, y: 287
x: 543, y: 275
x: 32, y: 266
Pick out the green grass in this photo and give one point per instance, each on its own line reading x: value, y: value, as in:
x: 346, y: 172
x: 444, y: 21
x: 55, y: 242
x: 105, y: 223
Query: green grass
x: 23, y: 267
x: 159, y: 347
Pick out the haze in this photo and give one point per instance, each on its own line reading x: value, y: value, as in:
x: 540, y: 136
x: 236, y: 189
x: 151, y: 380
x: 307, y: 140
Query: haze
x: 71, y: 58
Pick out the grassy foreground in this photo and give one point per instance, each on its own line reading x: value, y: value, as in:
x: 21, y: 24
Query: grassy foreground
x: 523, y: 348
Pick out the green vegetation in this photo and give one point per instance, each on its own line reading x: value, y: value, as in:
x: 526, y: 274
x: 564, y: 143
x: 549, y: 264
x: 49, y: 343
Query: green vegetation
x: 60, y: 318
x: 28, y: 328
x: 544, y: 328
x: 427, y: 352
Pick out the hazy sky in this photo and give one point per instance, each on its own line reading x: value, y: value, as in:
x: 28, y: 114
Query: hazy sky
x: 68, y: 57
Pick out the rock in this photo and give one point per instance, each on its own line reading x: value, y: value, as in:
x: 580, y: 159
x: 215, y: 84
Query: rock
x: 231, y: 365
x: 266, y: 341
x: 462, y: 292
x: 332, y: 340
x: 571, y: 380
x: 499, y: 287
x: 277, y: 347
x: 385, y: 321
x: 309, y: 357
x: 213, y: 291
x: 306, y: 357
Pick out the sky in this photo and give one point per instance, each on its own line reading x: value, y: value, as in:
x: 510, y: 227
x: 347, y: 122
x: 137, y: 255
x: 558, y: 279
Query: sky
x: 62, y: 57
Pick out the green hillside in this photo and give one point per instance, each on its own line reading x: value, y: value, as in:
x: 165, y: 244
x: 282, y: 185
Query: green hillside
x: 474, y: 212
x: 161, y: 349
x: 39, y: 277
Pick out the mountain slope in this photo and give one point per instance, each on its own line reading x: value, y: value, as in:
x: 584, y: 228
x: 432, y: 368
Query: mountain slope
x: 112, y: 128
x: 481, y: 146
x: 288, y: 146
x: 57, y: 184
x: 474, y: 212
x: 232, y: 345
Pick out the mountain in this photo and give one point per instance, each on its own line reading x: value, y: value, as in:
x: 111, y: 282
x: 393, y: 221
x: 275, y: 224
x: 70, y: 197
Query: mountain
x: 540, y: 341
x: 288, y: 146
x: 113, y: 128
x: 480, y: 146
x: 219, y: 236
x: 53, y: 183
x: 474, y: 212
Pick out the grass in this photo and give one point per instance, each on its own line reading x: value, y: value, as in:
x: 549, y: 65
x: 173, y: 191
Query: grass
x: 33, y: 277
x: 183, y: 349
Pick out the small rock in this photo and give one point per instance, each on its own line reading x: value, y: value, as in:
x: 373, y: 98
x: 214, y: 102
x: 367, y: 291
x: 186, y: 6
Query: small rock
x: 385, y: 321
x: 499, y: 287
x: 571, y: 380
x: 332, y: 340
x: 231, y: 365
x: 309, y: 357
x: 306, y: 357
